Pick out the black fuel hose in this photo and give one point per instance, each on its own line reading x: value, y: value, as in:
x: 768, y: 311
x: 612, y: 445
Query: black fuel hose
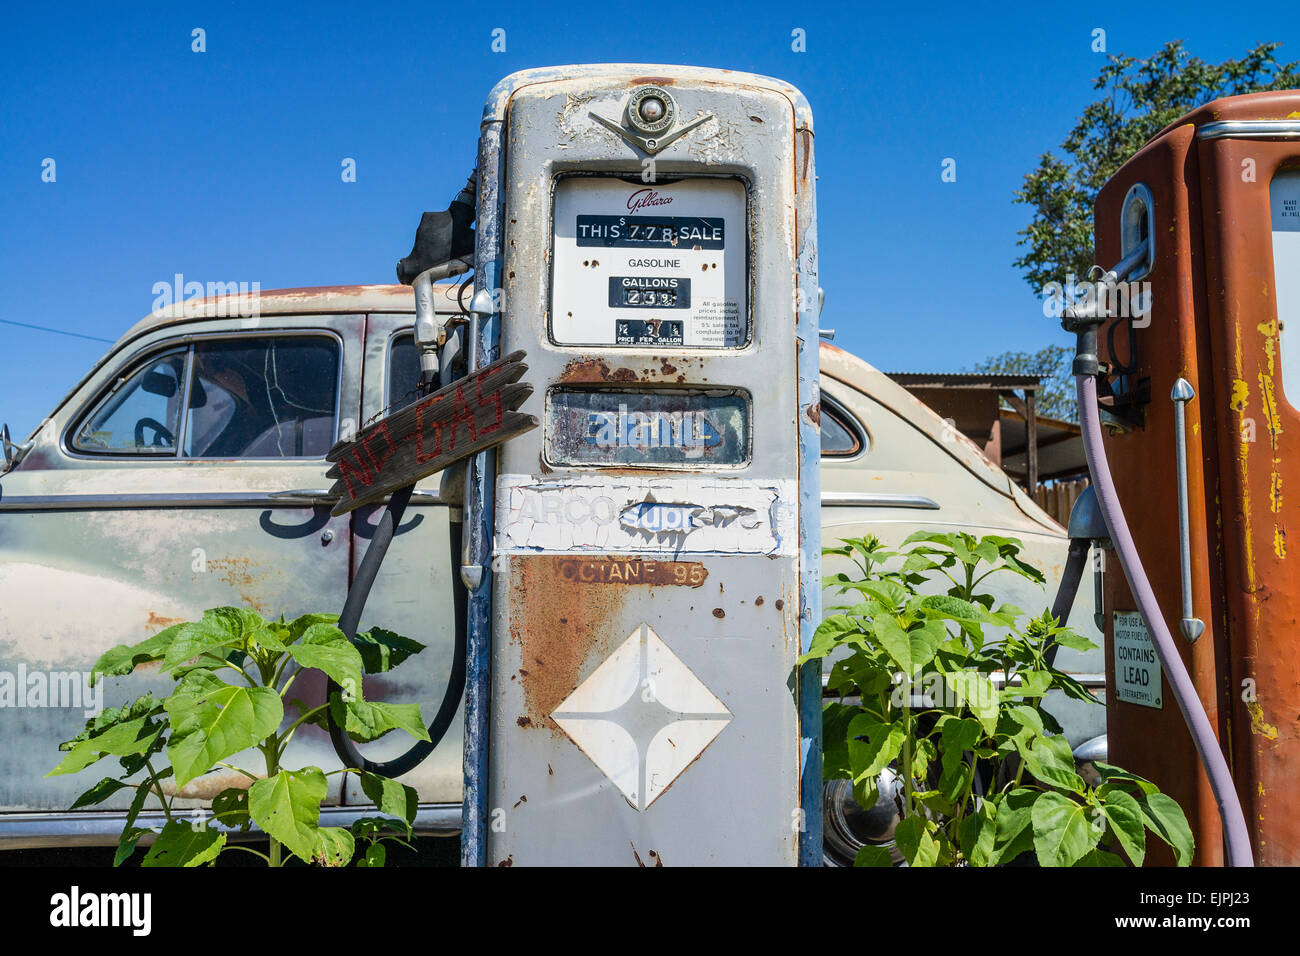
x: 1069, y: 587
x: 344, y: 746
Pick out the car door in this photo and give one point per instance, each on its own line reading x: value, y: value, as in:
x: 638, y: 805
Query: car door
x: 413, y: 593
x: 178, y: 477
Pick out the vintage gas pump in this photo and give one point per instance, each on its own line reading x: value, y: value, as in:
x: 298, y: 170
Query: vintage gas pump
x: 643, y: 567
x: 1198, y: 398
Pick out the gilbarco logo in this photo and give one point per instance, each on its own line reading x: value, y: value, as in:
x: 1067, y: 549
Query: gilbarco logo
x: 646, y: 197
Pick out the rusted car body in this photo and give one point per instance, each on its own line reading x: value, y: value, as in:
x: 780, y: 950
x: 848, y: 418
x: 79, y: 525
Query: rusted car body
x: 138, y: 505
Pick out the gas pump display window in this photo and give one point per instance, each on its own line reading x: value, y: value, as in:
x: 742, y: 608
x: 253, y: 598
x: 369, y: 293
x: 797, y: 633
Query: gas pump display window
x: 667, y: 428
x: 658, y: 265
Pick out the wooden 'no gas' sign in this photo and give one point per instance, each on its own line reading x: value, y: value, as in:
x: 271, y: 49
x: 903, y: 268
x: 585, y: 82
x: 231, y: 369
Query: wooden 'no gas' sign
x: 472, y: 414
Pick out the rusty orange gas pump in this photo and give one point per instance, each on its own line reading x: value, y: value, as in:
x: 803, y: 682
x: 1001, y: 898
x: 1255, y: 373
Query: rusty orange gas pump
x: 1198, y: 386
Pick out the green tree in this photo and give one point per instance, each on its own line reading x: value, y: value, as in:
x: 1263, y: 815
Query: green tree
x: 1139, y: 97
x: 1055, y: 397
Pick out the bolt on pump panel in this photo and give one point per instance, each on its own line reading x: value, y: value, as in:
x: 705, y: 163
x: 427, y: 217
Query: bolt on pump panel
x: 1224, y: 184
x: 652, y: 558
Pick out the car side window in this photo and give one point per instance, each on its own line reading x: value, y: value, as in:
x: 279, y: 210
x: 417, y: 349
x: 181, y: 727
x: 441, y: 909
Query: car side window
x: 840, y: 438
x: 141, y: 414
x: 403, y: 372
x: 264, y: 397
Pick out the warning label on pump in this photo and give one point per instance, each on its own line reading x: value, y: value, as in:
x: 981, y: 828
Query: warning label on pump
x: 650, y: 265
x: 1137, y: 668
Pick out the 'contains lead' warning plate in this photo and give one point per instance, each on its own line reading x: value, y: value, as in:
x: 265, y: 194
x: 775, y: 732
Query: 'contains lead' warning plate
x: 660, y: 265
x: 1137, y: 668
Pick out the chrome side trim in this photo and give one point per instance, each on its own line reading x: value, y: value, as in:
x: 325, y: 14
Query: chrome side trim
x: 305, y: 498
x: 31, y: 831
x: 1250, y: 129
x: 871, y: 499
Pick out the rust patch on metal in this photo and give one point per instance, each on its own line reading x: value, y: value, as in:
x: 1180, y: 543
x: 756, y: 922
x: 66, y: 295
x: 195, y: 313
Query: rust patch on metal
x: 651, y: 81
x: 815, y: 414
x: 563, y: 629
x: 606, y: 570
x: 758, y: 601
x: 719, y: 613
x: 157, y: 622
x: 598, y: 371
x: 780, y: 604
x: 235, y: 572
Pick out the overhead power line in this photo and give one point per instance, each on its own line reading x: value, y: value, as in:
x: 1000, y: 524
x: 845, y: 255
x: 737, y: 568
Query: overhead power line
x: 44, y: 328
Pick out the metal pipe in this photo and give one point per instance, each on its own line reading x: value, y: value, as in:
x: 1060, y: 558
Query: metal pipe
x: 1182, y: 393
x: 1236, y: 835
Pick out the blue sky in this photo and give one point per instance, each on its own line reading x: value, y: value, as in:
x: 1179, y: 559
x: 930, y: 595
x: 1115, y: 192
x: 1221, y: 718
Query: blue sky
x: 225, y: 165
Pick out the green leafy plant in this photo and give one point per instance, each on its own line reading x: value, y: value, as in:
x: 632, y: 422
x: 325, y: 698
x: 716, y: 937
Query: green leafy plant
x: 206, y: 720
x: 946, y: 691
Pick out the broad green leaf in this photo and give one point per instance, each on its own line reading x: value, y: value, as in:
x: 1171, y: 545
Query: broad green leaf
x: 1050, y: 760
x: 835, y: 743
x: 287, y: 807
x: 1125, y: 817
x: 371, y: 828
x: 1033, y: 683
x: 1073, y: 640
x: 1015, y: 834
x: 873, y: 856
x: 1115, y: 777
x: 382, y: 650
x: 211, y: 720
x: 98, y: 793
x: 130, y: 832
x: 375, y: 856
x: 220, y: 629
x: 831, y: 633
x: 334, y: 847
x: 958, y: 736
x: 978, y: 832
x: 953, y: 609
x: 976, y: 692
x: 366, y: 720
x: 1063, y: 834
x: 300, y: 625
x: 230, y: 808
x: 914, y: 841
x: 145, y: 706
x: 910, y: 649
x: 1165, y: 817
x: 883, y: 743
x: 180, y: 844
x: 132, y: 737
x: 1099, y: 857
x: 124, y: 658
x: 389, y: 796
x: 327, y: 649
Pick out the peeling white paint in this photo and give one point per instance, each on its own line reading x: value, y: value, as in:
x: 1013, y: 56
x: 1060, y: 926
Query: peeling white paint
x: 675, y: 515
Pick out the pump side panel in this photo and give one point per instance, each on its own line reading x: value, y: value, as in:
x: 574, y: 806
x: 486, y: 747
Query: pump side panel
x: 1153, y: 740
x: 1260, y: 475
x: 644, y: 700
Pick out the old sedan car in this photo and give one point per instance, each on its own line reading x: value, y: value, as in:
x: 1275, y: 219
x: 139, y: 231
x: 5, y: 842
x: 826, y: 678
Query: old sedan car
x: 186, y: 471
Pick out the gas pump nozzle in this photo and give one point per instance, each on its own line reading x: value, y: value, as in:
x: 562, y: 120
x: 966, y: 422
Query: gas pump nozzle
x: 444, y: 246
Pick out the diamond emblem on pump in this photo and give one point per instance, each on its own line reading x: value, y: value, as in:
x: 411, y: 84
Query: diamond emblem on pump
x: 642, y: 717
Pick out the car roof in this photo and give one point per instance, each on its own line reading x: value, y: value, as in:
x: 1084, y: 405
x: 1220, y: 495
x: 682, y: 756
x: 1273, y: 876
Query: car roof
x: 328, y: 299
x: 392, y: 298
